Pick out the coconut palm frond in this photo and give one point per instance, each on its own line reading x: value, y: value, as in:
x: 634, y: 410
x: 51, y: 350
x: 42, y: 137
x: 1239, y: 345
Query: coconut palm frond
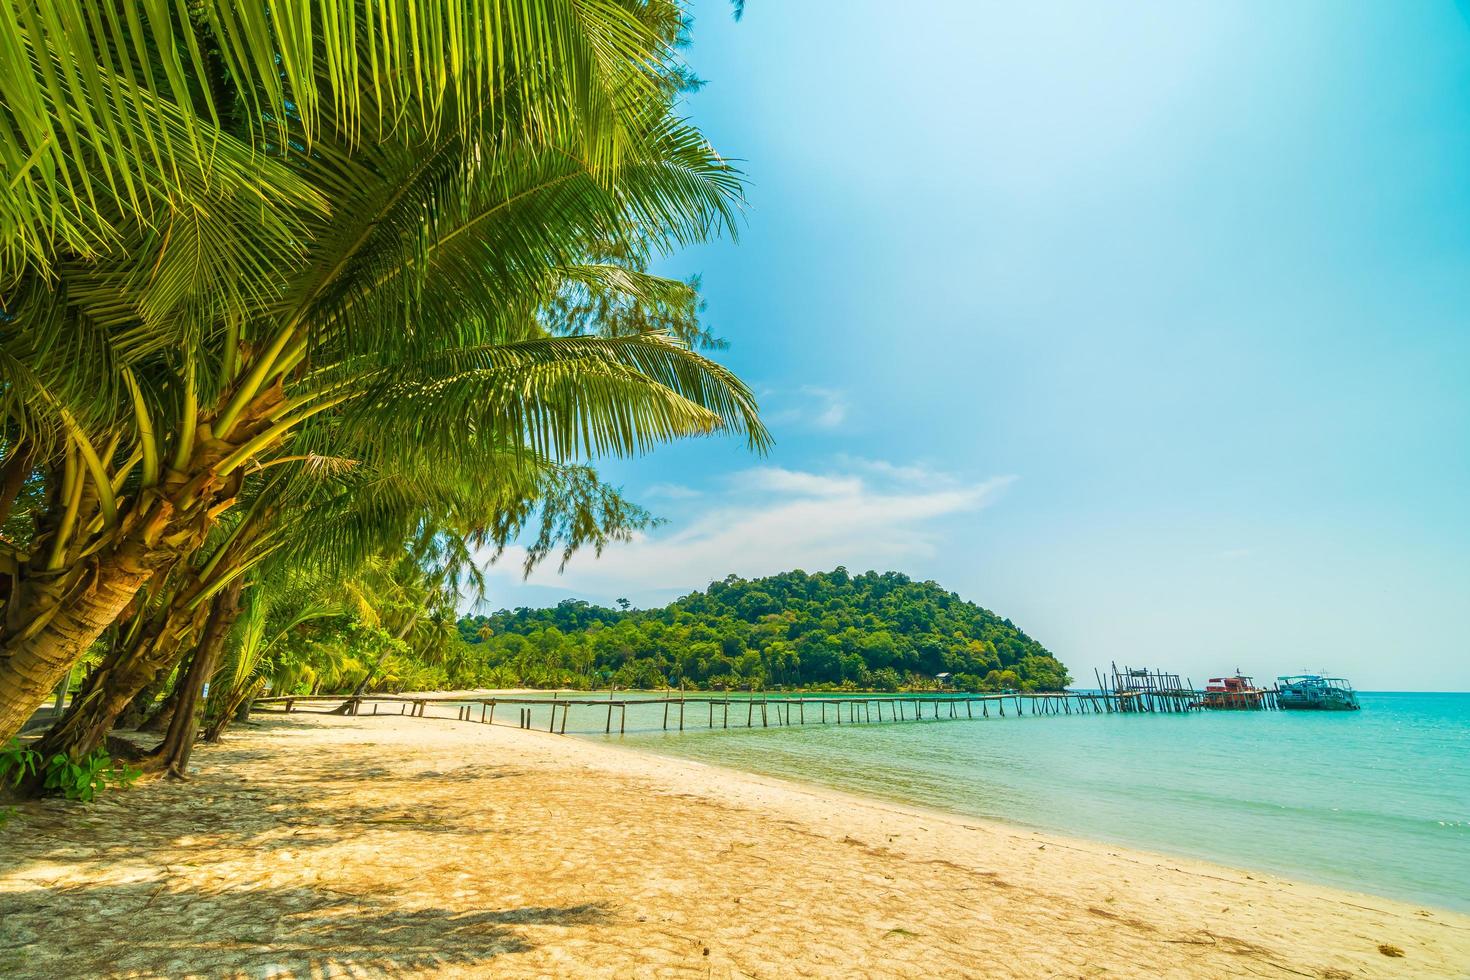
x: 96, y: 94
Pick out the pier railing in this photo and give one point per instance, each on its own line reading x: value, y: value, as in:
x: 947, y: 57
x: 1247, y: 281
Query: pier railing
x: 719, y: 711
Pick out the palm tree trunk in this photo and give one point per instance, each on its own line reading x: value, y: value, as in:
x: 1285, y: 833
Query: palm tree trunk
x: 141, y: 706
x: 173, y: 754
x: 55, y: 627
x: 161, y: 717
x: 236, y: 708
x: 51, y: 618
x: 111, y: 689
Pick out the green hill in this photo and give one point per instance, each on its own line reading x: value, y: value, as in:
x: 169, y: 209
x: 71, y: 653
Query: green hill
x: 831, y: 629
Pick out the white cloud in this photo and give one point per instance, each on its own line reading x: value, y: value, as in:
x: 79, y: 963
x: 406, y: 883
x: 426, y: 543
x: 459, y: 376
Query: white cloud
x: 777, y: 479
x: 908, y: 473
x: 818, y: 408
x: 831, y: 408
x: 672, y: 491
x: 774, y: 519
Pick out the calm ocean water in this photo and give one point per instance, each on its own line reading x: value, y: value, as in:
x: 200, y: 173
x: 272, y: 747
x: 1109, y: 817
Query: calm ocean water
x: 1376, y: 800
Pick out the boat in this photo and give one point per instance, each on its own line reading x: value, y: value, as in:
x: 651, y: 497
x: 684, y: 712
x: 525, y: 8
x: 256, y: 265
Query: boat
x: 1234, y: 693
x: 1314, y: 692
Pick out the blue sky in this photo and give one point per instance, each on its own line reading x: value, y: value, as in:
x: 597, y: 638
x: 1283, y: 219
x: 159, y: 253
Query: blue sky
x: 1144, y: 325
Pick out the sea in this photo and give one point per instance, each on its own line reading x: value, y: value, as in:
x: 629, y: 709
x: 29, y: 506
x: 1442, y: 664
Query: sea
x: 1375, y: 801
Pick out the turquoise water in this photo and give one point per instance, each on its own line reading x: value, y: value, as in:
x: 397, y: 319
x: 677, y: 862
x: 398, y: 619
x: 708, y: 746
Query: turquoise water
x: 1375, y: 801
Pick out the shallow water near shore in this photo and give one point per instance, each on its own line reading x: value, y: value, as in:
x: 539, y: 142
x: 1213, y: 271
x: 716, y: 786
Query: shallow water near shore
x: 1375, y: 801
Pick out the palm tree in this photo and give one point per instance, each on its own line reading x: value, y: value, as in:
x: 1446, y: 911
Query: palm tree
x: 271, y: 617
x: 333, y: 523
x: 231, y: 234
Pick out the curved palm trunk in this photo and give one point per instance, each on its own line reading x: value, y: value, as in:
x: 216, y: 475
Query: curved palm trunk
x: 52, y: 617
x: 162, y: 716
x: 115, y: 684
x: 235, y: 708
x: 61, y: 620
x: 141, y: 706
x: 173, y: 754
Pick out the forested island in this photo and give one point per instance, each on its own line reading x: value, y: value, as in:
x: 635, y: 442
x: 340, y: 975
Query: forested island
x: 833, y: 629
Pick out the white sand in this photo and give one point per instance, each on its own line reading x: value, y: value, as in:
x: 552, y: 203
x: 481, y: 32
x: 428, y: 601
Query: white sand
x: 314, y: 847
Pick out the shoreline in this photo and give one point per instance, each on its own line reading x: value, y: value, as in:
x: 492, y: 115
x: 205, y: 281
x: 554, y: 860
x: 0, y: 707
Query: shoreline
x: 474, y: 850
x: 1000, y: 823
x: 848, y: 773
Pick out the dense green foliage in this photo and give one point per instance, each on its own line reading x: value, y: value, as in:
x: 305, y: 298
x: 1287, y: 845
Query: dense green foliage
x: 289, y: 292
x: 867, y: 631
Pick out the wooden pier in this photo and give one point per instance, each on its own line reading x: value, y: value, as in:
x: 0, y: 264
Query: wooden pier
x: 1148, y: 693
x: 1139, y: 689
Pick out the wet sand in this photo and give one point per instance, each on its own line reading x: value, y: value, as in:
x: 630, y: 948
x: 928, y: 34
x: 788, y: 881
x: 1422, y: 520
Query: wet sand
x: 316, y: 846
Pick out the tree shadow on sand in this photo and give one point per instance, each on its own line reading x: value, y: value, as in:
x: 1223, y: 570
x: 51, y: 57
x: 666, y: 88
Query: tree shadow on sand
x: 147, y: 928
x: 168, y: 823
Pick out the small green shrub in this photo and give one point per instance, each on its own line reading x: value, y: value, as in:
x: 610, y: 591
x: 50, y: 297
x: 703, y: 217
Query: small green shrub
x: 80, y: 781
x: 83, y: 780
x: 17, y: 762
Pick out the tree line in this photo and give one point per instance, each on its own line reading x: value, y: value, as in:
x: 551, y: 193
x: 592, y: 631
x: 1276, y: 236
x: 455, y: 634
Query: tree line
x: 828, y: 630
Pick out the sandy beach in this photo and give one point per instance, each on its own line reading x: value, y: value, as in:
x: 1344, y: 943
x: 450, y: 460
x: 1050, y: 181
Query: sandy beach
x: 404, y: 847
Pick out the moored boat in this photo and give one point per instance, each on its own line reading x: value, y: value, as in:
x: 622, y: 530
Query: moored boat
x: 1314, y: 692
x: 1234, y: 693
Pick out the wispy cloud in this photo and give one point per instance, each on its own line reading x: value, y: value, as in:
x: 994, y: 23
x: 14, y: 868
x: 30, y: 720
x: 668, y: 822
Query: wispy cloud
x: 778, y: 479
x: 815, y: 407
x: 910, y: 473
x: 771, y: 519
x: 671, y: 491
